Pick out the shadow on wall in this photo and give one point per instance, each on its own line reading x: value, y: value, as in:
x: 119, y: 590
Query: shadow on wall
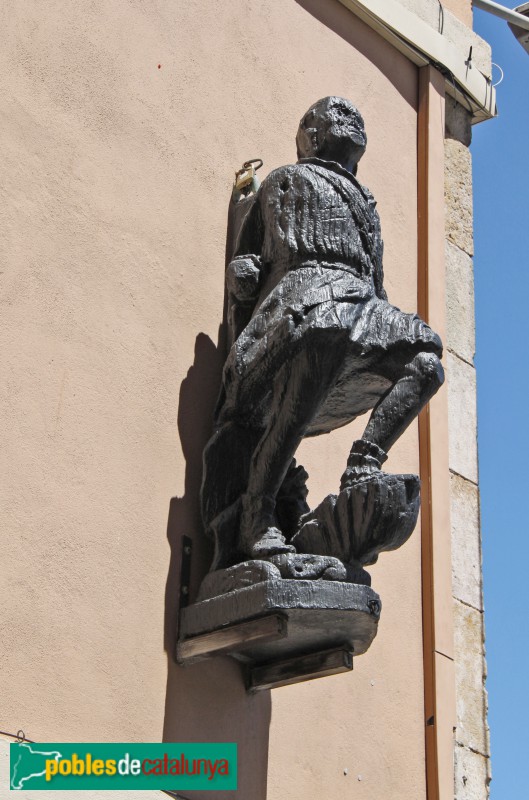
x: 337, y: 18
x: 207, y: 702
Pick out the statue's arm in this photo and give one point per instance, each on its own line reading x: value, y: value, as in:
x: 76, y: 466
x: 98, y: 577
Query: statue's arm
x: 378, y: 261
x: 244, y: 272
x: 283, y: 207
x: 250, y: 237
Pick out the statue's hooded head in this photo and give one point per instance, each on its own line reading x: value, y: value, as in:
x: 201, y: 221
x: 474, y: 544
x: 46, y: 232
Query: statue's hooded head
x: 333, y: 130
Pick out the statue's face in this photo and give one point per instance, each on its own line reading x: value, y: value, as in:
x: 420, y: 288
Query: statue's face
x: 333, y: 129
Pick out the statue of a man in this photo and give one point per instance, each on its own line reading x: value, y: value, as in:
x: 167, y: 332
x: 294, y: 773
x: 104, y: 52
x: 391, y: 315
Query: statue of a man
x: 316, y: 342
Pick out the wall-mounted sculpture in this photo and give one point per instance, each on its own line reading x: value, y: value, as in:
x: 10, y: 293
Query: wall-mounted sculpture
x: 315, y: 343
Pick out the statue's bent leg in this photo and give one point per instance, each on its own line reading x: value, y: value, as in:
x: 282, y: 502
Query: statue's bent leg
x: 226, y: 463
x: 300, y: 387
x: 420, y: 378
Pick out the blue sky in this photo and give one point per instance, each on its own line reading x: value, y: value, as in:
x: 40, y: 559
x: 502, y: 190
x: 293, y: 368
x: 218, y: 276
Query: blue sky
x: 501, y: 219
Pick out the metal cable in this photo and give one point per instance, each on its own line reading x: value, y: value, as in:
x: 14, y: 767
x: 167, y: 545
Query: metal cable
x: 501, y: 71
x: 20, y: 736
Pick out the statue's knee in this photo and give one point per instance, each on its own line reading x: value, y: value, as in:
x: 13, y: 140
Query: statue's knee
x: 430, y: 370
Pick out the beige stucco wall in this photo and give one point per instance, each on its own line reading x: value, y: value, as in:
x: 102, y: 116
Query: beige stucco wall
x: 117, y: 174
x: 461, y: 8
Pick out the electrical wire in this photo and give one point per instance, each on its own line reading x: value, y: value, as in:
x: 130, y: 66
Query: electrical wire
x: 448, y: 73
x: 20, y: 736
x: 441, y: 17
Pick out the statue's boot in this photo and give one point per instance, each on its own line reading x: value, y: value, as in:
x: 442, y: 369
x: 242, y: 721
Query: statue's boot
x: 260, y: 537
x: 365, y: 460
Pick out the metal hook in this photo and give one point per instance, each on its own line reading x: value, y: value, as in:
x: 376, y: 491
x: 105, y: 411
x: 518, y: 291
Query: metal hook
x: 258, y: 161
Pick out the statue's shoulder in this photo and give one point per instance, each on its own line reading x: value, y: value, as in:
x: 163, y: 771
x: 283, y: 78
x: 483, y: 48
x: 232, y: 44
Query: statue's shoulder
x: 291, y: 175
x: 371, y: 202
x: 368, y: 194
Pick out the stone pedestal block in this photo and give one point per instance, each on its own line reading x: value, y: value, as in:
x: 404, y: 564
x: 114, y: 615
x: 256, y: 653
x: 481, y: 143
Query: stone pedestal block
x: 274, y: 621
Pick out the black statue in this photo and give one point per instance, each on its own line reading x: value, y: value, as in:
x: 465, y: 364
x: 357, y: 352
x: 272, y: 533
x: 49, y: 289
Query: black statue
x: 315, y: 344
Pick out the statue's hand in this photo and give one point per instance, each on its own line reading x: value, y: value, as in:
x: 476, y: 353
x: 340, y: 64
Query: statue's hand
x: 243, y: 277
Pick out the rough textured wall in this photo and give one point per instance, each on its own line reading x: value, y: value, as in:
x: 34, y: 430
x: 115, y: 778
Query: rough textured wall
x: 472, y: 754
x: 461, y: 9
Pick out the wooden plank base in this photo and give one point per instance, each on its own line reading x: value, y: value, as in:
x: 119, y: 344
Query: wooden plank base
x: 299, y: 668
x: 232, y: 640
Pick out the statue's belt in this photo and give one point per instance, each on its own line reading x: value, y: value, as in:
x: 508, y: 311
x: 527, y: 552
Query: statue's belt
x: 360, y: 271
x: 313, y: 284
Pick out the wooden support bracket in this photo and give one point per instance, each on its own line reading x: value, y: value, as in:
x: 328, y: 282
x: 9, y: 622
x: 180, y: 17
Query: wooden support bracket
x: 299, y: 668
x: 232, y: 640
